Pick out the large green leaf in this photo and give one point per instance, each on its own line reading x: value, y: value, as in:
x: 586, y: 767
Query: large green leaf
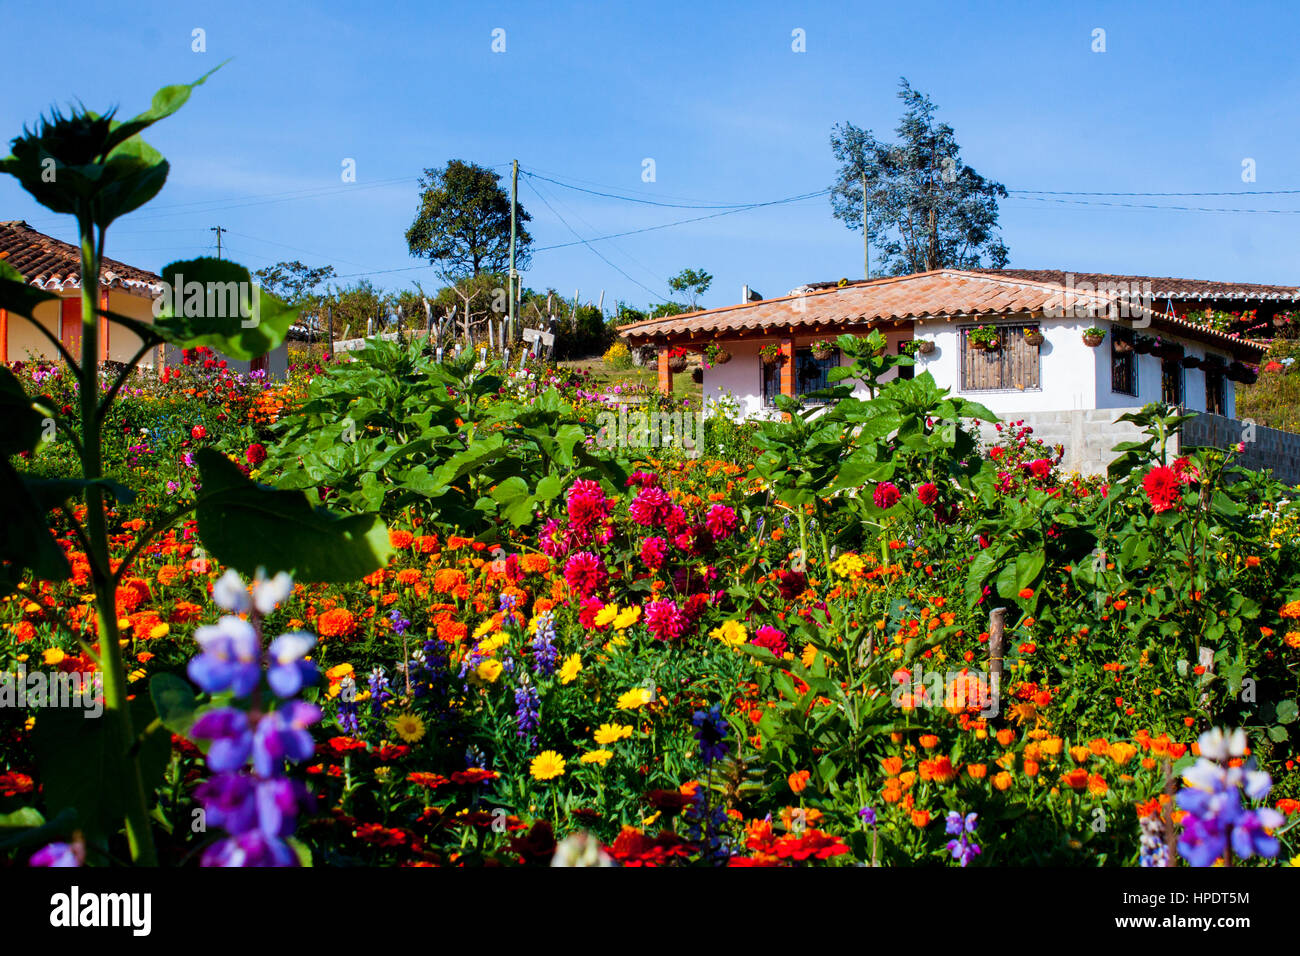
x: 214, y: 302
x: 21, y: 423
x: 247, y: 526
x: 25, y: 541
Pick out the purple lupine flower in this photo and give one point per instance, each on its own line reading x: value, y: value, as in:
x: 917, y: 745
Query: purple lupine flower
x: 545, y: 654
x: 282, y: 735
x: 231, y: 658
x: 228, y: 801
x: 963, y: 849
x: 400, y: 622
x: 711, y: 733
x: 252, y: 848
x: 868, y: 816
x: 231, y: 736
x: 527, y: 711
x: 380, y: 691
x: 1217, y: 823
x: 278, y: 802
x: 288, y: 671
x: 59, y: 855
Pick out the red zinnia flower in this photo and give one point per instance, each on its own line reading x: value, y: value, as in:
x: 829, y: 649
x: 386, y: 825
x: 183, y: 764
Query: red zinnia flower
x: 928, y: 493
x: 256, y: 454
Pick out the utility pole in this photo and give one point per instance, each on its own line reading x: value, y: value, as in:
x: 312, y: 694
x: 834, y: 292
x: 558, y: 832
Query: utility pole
x: 218, y: 230
x: 866, y: 241
x: 514, y: 210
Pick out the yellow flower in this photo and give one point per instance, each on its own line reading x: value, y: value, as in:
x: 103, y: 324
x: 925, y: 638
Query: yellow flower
x: 161, y: 630
x: 484, y: 628
x: 499, y: 639
x: 809, y: 655
x: 731, y: 633
x: 547, y: 765
x: 627, y: 617
x: 1121, y: 752
x: 339, y: 671
x: 135, y: 676
x: 569, y: 669
x: 612, y: 733
x: 53, y: 657
x: 409, y: 727
x: 489, y: 671
x: 1080, y: 754
x: 634, y: 698
x: 606, y: 615
x: 597, y: 756
x: 847, y: 566
x: 1052, y: 746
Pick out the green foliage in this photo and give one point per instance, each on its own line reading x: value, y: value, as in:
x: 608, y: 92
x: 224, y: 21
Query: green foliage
x: 395, y: 430
x: 463, y: 224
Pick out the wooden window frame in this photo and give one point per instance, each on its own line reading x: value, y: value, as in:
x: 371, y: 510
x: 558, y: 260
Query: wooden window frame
x: 1006, y: 331
x: 1129, y: 358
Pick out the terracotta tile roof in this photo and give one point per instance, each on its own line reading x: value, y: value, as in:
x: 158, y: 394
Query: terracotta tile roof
x: 944, y: 293
x: 1161, y: 287
x: 56, y: 266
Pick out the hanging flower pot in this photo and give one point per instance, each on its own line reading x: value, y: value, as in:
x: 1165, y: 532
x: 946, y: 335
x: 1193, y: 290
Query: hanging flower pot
x: 822, y: 350
x: 716, y: 354
x: 1093, y: 337
x: 1034, y: 337
x: 1122, y: 346
x: 1238, y: 372
x: 697, y: 375
x: 1143, y: 345
x: 1169, y: 351
x: 985, y: 338
x: 925, y: 346
x: 1191, y: 361
x: 677, y: 360
x: 770, y: 354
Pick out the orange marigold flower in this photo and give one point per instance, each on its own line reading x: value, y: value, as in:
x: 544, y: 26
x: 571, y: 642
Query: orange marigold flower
x: 1076, y: 779
x: 400, y: 539
x: 798, y: 780
x: 338, y: 622
x: 1097, y: 785
x: 920, y: 818
x: 892, y: 765
x: 928, y: 741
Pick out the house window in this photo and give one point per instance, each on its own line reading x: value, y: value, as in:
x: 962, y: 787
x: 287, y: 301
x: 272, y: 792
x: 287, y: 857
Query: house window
x: 1013, y: 364
x: 771, y: 372
x: 1123, y: 364
x: 1214, y: 399
x: 809, y: 376
x: 1171, y: 381
x: 810, y: 373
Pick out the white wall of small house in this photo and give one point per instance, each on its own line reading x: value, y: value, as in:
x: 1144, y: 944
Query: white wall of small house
x: 1071, y: 375
x: 741, y: 379
x: 1066, y: 370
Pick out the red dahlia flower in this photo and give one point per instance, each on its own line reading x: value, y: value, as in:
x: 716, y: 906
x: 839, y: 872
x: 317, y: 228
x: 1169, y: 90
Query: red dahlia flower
x: 886, y: 495
x: 584, y: 572
x: 1162, y: 486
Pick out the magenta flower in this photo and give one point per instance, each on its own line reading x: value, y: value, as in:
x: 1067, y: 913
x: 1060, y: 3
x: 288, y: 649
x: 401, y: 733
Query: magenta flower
x: 587, y: 507
x: 653, y: 552
x: 721, y: 521
x: 771, y: 638
x: 886, y: 495
x: 651, y: 507
x: 928, y: 493
x: 665, y: 620
x: 584, y: 573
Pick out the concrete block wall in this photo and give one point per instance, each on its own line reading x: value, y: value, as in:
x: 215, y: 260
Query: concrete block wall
x: 1089, y: 435
x: 1266, y: 448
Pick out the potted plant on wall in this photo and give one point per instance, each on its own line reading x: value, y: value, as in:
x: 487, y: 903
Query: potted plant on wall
x: 1093, y: 337
x: 1143, y: 344
x: 984, y: 338
x: 1033, y: 335
x: 823, y: 349
x: 677, y: 359
x: 1240, y: 372
x: 770, y: 353
x: 716, y: 354
x: 1191, y: 361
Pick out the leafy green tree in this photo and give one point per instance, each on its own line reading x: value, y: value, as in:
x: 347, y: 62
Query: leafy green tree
x: 923, y: 207
x: 692, y: 283
x: 293, y: 282
x: 463, y: 223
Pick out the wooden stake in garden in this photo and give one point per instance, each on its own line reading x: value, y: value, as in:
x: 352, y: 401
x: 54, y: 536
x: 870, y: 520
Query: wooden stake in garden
x: 997, y: 644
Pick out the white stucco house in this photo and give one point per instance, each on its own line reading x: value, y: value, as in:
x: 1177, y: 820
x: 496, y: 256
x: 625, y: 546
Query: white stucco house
x: 1157, y: 345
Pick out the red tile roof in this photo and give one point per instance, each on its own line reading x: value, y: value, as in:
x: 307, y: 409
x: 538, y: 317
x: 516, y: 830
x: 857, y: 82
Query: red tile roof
x: 1161, y: 287
x: 943, y: 293
x: 55, y: 266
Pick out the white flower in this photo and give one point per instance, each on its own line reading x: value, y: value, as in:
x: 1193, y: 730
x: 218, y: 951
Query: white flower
x: 229, y: 593
x: 269, y: 594
x: 1205, y: 774
x: 291, y: 647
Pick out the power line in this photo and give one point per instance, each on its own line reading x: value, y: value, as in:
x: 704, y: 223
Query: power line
x: 1236, y: 192
x: 533, y: 187
x: 644, y: 202
x: 1135, y: 205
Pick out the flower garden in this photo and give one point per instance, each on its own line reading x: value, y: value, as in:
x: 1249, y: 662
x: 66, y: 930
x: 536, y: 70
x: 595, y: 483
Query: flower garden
x: 404, y: 612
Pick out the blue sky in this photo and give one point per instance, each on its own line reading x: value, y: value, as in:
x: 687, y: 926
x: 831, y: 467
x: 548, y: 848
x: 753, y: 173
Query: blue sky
x: 713, y: 93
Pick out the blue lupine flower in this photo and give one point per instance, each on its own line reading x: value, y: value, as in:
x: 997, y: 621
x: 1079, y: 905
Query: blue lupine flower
x: 963, y: 849
x: 527, y: 711
x: 288, y: 671
x: 400, y: 622
x: 711, y: 733
x: 1217, y: 822
x: 231, y: 736
x: 231, y: 658
x: 546, y: 655
x: 229, y: 801
x: 282, y: 735
x: 252, y: 848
